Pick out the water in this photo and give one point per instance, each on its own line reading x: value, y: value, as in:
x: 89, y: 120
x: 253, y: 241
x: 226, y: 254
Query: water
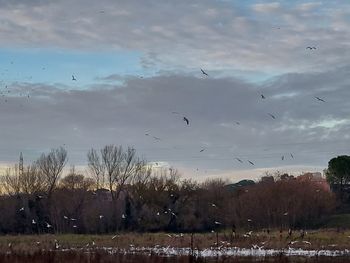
x: 103, y: 256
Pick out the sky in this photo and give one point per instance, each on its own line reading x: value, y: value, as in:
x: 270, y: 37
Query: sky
x: 137, y: 66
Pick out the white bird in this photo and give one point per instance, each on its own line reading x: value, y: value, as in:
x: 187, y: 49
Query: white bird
x: 249, y: 220
x: 123, y: 216
x: 73, y: 219
x: 285, y: 214
x: 307, y: 242
x: 113, y: 237
x: 74, y: 226
x: 213, y: 205
x: 65, y: 217
x: 100, y: 216
x: 217, y: 223
x: 48, y: 225
x: 22, y: 209
x: 158, y: 213
x: 33, y: 222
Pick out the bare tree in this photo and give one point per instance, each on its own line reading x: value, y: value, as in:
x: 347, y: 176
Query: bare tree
x: 32, y: 180
x: 51, y: 166
x: 11, y: 181
x: 96, y: 167
x: 119, y: 165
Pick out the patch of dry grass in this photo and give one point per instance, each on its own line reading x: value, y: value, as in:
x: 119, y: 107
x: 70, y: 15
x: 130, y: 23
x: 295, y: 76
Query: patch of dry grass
x: 321, y: 239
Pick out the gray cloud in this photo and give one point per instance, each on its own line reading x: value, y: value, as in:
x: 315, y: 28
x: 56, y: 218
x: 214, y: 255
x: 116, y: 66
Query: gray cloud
x: 217, y: 35
x: 312, y: 131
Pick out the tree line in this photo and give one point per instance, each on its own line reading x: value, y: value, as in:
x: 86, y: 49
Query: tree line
x: 122, y: 192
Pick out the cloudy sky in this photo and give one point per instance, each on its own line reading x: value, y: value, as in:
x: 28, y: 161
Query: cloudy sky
x: 136, y: 62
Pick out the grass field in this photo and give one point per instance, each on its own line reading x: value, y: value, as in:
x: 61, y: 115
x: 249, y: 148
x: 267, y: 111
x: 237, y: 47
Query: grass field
x: 320, y: 239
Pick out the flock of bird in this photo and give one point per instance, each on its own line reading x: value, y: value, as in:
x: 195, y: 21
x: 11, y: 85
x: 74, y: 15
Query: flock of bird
x: 263, y: 97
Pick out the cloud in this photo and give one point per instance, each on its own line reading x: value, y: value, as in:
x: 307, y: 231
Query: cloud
x: 267, y: 7
x: 308, y: 6
x: 179, y: 36
x: 312, y: 131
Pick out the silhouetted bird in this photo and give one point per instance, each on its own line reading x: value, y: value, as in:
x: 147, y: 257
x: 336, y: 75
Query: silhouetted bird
x: 262, y: 96
x: 73, y: 78
x: 201, y: 150
x: 310, y: 48
x: 250, y: 162
x: 239, y: 160
x: 204, y: 73
x: 319, y: 99
x: 291, y: 155
x: 186, y: 120
x: 282, y: 157
x: 272, y: 116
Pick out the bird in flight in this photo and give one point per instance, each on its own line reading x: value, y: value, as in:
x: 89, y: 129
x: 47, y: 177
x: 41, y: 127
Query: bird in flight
x: 282, y: 157
x: 204, y: 73
x: 262, y: 96
x: 319, y: 99
x: 272, y: 116
x: 186, y: 120
x: 156, y: 138
x: 239, y: 160
x: 291, y: 155
x: 250, y: 162
x: 310, y: 48
x: 201, y: 150
x: 73, y: 78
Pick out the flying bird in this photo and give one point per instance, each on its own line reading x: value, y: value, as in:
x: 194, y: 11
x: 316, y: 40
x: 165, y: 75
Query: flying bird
x: 319, y: 99
x: 282, y: 157
x: 204, y: 73
x: 202, y: 150
x: 250, y: 162
x: 310, y: 48
x: 291, y: 155
x: 186, y: 120
x: 73, y: 78
x: 262, y: 96
x: 239, y: 160
x: 272, y: 116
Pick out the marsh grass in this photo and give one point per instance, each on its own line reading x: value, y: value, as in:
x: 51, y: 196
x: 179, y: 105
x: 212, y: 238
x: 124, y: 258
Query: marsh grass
x: 30, y: 244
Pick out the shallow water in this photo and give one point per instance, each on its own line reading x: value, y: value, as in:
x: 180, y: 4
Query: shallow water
x: 107, y: 257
